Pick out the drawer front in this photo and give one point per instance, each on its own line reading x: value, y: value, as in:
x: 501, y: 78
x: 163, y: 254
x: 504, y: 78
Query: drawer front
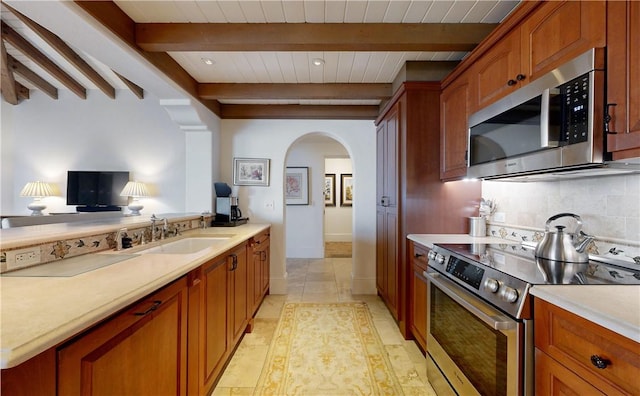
x: 419, y: 256
x: 573, y: 341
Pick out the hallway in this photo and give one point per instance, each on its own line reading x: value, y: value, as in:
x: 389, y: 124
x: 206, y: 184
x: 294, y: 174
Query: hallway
x: 320, y: 280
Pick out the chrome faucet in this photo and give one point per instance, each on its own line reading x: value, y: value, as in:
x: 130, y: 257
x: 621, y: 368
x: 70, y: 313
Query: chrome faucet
x: 119, y: 235
x: 153, y: 227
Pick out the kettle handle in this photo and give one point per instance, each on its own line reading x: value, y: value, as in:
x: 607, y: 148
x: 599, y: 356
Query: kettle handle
x: 559, y: 215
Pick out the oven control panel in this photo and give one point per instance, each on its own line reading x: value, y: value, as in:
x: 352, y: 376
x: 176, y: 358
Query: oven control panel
x: 504, y: 291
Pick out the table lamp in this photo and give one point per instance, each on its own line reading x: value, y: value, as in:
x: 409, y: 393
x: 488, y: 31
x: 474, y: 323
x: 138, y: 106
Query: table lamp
x: 135, y: 190
x: 37, y: 190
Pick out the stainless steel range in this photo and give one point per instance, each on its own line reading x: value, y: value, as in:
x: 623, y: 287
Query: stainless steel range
x: 480, y: 314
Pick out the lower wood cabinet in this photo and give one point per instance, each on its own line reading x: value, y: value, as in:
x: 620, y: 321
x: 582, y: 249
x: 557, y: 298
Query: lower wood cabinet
x: 176, y: 341
x: 573, y: 353
x: 259, y: 273
x: 237, y: 293
x: 418, y: 289
x: 141, y: 351
x: 208, y: 341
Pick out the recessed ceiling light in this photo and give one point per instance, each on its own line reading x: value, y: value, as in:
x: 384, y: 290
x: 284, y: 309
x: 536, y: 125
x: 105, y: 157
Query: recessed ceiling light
x: 318, y: 61
x: 208, y: 61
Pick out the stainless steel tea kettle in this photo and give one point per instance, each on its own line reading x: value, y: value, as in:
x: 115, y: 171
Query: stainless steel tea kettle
x: 563, y: 246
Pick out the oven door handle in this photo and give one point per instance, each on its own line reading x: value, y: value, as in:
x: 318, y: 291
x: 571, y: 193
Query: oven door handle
x: 482, y: 311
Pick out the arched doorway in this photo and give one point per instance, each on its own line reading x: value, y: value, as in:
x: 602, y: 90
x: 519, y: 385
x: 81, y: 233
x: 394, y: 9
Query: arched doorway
x: 310, y: 275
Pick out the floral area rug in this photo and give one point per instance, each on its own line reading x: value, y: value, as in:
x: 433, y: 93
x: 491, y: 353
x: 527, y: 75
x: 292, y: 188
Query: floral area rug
x: 327, y: 349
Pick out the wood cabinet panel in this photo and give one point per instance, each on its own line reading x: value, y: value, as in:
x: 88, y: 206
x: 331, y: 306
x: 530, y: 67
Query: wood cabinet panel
x: 623, y: 74
x: 454, y: 113
x: 552, y: 378
x: 237, y: 293
x: 387, y: 141
x: 36, y: 376
x: 418, y: 287
x: 558, y: 32
x: 498, y: 72
x: 258, y: 275
x: 141, y: 351
x: 572, y: 341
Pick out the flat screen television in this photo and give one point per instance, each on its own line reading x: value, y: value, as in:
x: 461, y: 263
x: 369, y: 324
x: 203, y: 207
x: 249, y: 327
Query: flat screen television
x: 96, y: 191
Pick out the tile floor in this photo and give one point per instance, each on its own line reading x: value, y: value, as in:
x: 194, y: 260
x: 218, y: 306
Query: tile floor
x: 320, y: 280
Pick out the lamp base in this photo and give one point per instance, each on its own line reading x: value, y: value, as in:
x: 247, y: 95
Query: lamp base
x: 36, y: 208
x: 135, y: 207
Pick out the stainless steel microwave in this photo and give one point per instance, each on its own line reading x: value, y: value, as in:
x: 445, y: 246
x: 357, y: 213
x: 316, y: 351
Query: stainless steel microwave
x: 553, y: 123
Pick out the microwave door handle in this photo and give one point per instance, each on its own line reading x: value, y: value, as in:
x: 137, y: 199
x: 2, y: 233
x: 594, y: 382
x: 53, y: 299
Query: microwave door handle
x: 544, y: 119
x: 497, y: 321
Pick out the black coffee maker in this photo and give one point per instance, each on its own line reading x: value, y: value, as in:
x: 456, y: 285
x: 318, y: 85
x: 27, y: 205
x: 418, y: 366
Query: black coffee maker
x: 227, y: 210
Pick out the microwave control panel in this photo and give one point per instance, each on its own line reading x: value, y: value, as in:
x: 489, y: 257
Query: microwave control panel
x: 575, y: 96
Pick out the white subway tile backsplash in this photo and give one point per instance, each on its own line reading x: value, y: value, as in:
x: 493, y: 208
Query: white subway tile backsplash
x: 609, y: 206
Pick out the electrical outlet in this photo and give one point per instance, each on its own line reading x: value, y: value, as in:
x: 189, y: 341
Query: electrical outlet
x: 23, y: 257
x: 499, y: 217
x: 269, y: 205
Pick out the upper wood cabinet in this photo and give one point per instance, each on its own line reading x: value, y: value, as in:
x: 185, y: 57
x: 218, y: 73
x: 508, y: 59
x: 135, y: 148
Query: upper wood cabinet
x: 497, y: 73
x: 557, y: 32
x: 623, y: 78
x: 454, y: 113
x: 553, y: 34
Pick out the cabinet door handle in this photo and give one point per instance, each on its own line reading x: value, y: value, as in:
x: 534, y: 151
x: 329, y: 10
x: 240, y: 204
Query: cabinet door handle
x: 520, y: 77
x: 417, y: 255
x: 511, y: 82
x: 234, y: 262
x: 599, y: 362
x: 152, y: 308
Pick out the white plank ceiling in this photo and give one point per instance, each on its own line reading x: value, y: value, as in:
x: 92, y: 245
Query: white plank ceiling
x: 297, y: 67
x: 289, y: 67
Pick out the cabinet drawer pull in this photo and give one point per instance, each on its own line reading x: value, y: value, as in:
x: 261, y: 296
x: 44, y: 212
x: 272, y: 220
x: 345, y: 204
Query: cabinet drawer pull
x: 520, y: 77
x: 152, y: 308
x: 599, y: 362
x: 418, y: 255
x: 511, y: 82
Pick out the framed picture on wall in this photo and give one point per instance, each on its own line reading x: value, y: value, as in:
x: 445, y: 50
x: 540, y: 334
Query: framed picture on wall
x: 346, y: 189
x: 251, y: 171
x: 329, y: 189
x: 296, y: 186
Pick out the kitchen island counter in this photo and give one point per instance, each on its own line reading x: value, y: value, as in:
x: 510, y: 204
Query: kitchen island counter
x: 41, y: 312
x: 616, y: 307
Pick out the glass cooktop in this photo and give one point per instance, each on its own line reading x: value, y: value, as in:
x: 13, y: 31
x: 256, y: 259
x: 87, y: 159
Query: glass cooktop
x: 520, y: 262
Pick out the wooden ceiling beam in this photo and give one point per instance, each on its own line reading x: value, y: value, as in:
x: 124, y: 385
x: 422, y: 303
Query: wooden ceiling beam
x: 67, y: 53
x: 137, y: 90
x: 7, y: 81
x: 32, y: 77
x: 294, y: 91
x: 318, y: 112
x: 22, y: 45
x: 162, y: 37
x: 118, y: 22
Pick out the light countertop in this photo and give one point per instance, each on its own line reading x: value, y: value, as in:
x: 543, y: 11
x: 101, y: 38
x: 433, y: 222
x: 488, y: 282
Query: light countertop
x: 614, y: 307
x: 41, y: 312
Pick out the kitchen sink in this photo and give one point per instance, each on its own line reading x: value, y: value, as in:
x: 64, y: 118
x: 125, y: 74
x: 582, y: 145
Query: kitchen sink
x: 187, y: 245
x: 71, y: 266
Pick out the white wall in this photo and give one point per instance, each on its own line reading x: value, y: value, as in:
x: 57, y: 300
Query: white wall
x: 338, y: 219
x: 609, y: 206
x: 43, y: 138
x: 272, y: 139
